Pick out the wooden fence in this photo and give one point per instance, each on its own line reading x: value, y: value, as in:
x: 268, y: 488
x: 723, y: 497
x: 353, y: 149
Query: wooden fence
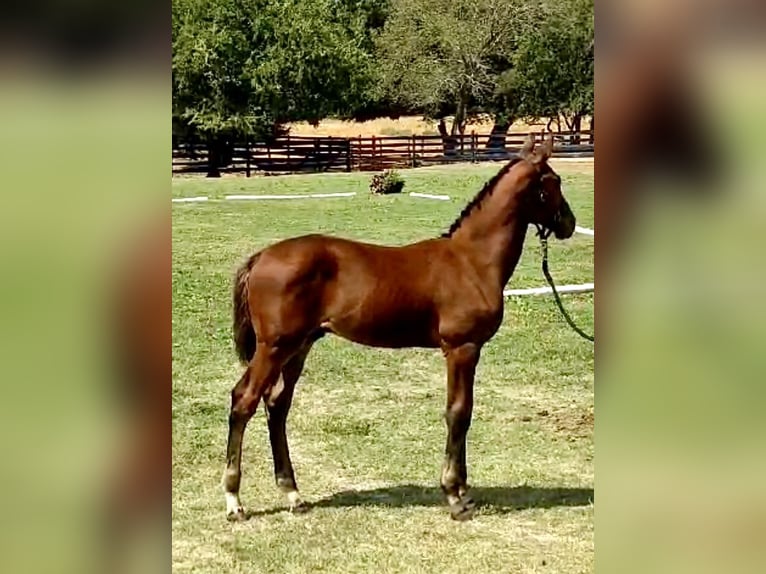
x: 294, y: 154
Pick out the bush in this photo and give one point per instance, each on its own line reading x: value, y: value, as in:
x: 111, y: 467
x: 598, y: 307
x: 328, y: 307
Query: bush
x: 387, y: 182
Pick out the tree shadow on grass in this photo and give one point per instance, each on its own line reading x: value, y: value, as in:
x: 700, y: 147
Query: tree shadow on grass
x: 489, y: 500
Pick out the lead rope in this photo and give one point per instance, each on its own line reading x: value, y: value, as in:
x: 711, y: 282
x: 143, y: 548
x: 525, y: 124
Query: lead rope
x: 543, y: 235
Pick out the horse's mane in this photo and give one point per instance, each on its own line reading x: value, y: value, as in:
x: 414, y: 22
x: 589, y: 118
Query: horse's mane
x: 476, y: 201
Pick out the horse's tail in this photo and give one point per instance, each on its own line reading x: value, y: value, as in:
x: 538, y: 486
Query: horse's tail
x: 244, y: 334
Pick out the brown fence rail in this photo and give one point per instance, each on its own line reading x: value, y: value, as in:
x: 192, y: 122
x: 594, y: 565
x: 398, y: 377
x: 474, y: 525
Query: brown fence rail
x: 295, y: 154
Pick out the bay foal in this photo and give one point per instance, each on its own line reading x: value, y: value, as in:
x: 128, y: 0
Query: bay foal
x: 443, y: 293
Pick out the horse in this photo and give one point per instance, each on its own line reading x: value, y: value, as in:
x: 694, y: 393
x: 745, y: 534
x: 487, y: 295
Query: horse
x: 444, y: 292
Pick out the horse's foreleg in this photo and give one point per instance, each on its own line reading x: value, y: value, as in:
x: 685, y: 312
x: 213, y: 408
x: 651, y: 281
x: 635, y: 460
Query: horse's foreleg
x: 461, y: 367
x: 261, y: 374
x: 278, y: 402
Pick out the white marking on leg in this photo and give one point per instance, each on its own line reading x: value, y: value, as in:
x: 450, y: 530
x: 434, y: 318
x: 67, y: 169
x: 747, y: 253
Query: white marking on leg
x: 233, y: 505
x: 294, y: 498
x: 452, y: 499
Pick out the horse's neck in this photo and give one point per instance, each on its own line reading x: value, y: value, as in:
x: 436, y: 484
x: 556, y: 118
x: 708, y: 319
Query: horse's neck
x: 492, y: 237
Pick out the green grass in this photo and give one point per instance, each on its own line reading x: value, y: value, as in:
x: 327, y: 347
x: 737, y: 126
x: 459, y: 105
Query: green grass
x: 366, y: 428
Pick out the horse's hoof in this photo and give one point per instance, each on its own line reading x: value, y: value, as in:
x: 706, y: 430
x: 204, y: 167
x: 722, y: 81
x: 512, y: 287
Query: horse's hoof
x: 299, y: 508
x: 237, y: 515
x: 463, y: 509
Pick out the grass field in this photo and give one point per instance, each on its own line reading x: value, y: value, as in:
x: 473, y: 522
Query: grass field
x: 366, y: 428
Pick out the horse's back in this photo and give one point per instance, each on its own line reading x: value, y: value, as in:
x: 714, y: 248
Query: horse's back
x: 336, y: 255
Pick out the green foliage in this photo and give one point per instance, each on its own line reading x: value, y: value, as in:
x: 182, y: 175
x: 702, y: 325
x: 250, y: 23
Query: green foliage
x: 246, y: 67
x: 509, y: 58
x: 552, y: 68
x: 387, y: 182
x: 441, y: 55
x: 250, y: 66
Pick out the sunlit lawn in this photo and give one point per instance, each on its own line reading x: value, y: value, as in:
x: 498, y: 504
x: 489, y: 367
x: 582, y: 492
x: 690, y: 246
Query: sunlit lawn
x: 366, y: 429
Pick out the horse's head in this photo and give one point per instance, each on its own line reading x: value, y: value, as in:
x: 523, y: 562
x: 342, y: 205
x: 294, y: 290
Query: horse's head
x: 546, y: 205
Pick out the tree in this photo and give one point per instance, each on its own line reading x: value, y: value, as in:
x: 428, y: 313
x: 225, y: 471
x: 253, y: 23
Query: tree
x: 441, y: 57
x: 246, y: 67
x: 552, y: 68
x: 507, y: 58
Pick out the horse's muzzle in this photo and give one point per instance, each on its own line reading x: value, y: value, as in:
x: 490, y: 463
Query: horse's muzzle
x: 564, y: 221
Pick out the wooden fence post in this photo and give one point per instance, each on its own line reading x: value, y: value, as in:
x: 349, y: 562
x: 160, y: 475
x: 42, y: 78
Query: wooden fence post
x: 247, y: 156
x: 374, y: 161
x: 289, y: 166
x: 473, y: 146
x: 348, y: 154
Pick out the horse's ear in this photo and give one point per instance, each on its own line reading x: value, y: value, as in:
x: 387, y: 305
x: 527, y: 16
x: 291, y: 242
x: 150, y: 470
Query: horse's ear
x: 529, y: 146
x: 546, y: 150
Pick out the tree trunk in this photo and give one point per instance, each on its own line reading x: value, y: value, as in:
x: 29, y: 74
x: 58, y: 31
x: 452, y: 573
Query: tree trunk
x: 220, y: 153
x: 213, y: 157
x: 576, y: 126
x: 496, y: 141
x: 551, y: 121
x: 448, y: 141
x: 442, y: 129
x: 458, y: 125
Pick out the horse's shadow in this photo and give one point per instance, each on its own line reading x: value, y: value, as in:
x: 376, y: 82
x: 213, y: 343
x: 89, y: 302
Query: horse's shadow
x: 489, y: 500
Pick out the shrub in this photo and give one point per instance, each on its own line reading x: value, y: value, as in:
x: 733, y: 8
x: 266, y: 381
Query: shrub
x: 387, y: 182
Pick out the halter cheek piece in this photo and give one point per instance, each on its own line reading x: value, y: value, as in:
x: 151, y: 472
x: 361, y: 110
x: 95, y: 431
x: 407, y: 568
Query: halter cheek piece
x: 543, y: 231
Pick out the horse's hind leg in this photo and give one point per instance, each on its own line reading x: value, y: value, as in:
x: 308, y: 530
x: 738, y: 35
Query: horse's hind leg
x: 260, y: 375
x: 278, y: 402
